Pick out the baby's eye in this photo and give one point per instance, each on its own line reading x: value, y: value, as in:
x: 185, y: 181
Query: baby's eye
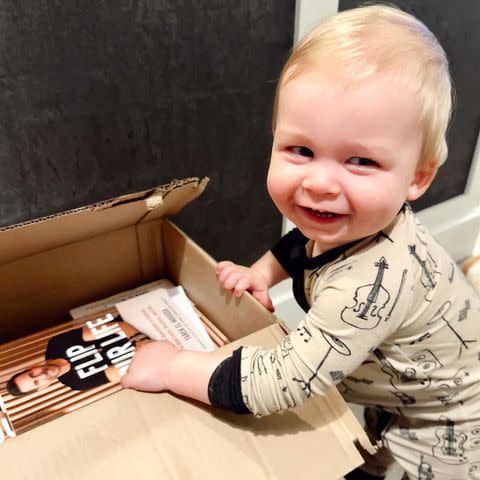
x: 362, y: 162
x: 302, y: 151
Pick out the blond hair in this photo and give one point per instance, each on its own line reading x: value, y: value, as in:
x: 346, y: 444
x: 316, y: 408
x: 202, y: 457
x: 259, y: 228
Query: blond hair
x: 372, y: 39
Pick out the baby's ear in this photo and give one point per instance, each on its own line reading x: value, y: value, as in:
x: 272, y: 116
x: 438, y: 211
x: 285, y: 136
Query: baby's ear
x: 424, y: 174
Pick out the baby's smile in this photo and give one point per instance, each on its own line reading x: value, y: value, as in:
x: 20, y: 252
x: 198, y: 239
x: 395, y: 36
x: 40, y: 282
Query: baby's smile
x: 322, y: 215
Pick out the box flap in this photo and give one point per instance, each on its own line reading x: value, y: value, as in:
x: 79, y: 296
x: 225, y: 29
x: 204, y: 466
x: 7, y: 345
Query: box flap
x: 163, y: 436
x: 29, y: 238
x: 331, y: 404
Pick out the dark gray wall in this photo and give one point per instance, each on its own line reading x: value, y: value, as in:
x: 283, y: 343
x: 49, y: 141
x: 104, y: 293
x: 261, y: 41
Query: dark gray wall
x: 99, y: 98
x: 455, y: 24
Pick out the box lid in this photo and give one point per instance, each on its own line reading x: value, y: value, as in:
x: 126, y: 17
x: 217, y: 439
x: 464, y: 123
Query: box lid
x: 28, y: 238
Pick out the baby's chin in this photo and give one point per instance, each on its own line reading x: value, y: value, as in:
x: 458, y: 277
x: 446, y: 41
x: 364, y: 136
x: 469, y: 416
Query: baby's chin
x: 322, y: 244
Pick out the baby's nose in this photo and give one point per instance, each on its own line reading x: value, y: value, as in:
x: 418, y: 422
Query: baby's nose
x: 322, y: 180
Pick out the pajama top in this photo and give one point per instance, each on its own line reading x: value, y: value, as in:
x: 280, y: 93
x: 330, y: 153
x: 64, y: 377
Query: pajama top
x: 391, y: 320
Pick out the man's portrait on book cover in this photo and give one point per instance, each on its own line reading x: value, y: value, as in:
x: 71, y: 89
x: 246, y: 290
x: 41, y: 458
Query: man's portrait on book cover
x: 63, y: 368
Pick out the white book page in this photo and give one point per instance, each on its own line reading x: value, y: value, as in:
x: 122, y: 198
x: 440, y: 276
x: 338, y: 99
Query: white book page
x: 167, y: 314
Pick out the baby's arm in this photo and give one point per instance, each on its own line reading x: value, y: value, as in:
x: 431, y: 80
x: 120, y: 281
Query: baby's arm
x: 257, y: 279
x: 159, y: 366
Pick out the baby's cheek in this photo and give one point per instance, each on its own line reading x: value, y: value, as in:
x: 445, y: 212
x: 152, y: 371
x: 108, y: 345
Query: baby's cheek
x: 277, y: 185
x: 376, y: 208
x: 377, y: 195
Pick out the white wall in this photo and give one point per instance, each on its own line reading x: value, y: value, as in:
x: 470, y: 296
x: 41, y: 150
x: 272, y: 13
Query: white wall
x: 476, y: 250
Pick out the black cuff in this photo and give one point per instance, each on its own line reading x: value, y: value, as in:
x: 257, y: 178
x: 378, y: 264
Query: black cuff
x: 224, y: 387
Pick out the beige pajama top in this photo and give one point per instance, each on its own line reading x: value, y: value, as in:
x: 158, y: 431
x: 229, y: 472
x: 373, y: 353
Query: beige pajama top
x: 391, y: 321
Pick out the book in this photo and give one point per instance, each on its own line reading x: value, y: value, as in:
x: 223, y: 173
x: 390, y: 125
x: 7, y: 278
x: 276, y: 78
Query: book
x: 104, y: 303
x: 57, y: 370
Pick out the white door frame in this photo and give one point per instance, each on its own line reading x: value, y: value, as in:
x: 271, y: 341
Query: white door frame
x: 455, y: 223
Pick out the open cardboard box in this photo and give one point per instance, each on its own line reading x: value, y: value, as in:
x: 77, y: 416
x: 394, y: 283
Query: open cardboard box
x: 50, y: 265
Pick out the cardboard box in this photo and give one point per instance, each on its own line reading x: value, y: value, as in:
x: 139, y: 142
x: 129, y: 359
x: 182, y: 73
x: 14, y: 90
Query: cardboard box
x: 53, y: 264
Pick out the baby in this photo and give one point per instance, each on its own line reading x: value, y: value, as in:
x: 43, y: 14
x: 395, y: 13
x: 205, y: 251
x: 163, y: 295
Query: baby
x: 361, y: 111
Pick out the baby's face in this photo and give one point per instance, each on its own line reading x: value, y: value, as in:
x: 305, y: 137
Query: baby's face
x: 345, y: 160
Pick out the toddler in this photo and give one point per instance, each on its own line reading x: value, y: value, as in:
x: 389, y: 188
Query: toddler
x: 361, y: 111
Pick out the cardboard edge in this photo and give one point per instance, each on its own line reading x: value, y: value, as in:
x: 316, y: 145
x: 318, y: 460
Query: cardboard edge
x: 153, y: 198
x: 350, y: 424
x: 168, y: 205
x: 32, y: 237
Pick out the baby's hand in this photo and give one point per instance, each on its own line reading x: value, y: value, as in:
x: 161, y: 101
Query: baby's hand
x: 237, y: 279
x: 149, y: 367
